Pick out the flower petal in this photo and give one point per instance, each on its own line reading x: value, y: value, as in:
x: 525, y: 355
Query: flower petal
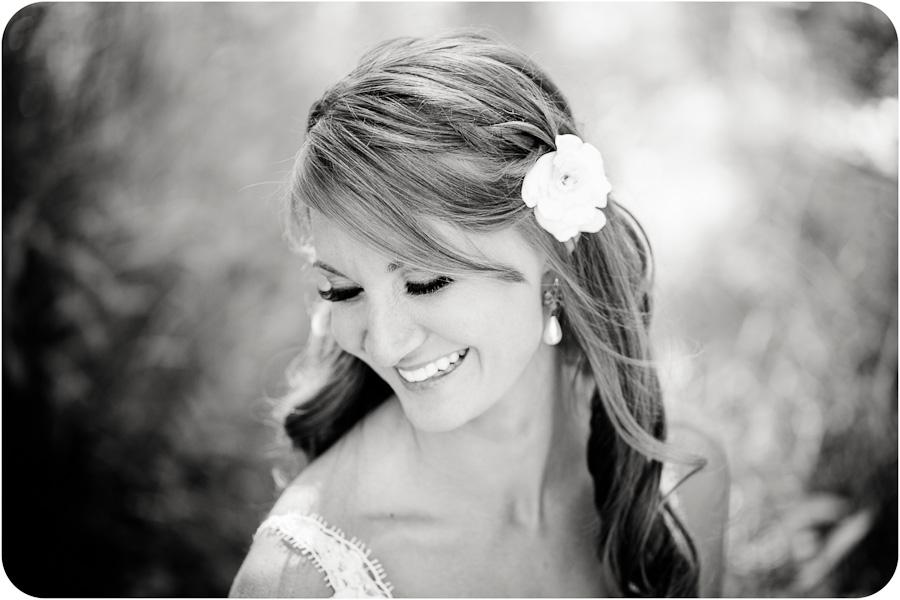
x: 592, y: 154
x: 600, y: 191
x: 595, y: 224
x: 537, y: 179
x: 554, y: 206
x: 561, y: 229
x: 566, y: 234
x: 568, y: 143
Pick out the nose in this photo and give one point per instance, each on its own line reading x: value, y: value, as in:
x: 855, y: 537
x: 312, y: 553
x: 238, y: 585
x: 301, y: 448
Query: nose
x: 391, y: 332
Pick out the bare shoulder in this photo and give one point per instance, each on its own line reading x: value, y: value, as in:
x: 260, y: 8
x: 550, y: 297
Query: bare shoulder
x: 272, y: 566
x: 360, y: 472
x: 703, y: 501
x: 356, y: 478
x: 272, y: 569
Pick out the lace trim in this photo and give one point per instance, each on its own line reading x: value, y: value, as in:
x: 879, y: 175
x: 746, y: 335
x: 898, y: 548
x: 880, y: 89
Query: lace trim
x: 345, y: 563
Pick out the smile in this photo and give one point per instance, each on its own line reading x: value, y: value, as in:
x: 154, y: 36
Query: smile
x: 434, y: 369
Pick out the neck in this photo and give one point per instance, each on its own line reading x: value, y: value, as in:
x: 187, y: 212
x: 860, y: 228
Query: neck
x: 512, y: 458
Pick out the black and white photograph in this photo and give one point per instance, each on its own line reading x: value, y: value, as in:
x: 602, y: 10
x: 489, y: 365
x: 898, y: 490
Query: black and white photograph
x: 449, y: 300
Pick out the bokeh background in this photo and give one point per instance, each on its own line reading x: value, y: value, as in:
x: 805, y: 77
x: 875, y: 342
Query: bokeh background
x: 150, y: 304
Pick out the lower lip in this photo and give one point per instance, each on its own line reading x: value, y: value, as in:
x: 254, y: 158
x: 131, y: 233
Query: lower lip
x: 432, y: 381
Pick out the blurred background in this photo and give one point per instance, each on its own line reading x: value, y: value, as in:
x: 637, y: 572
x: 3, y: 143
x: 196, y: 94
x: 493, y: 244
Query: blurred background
x: 150, y: 304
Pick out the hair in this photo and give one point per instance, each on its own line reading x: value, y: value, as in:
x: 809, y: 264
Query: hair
x: 444, y: 130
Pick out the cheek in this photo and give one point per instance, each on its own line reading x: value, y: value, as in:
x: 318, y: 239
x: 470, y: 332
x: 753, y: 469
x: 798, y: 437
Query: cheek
x: 508, y: 324
x: 518, y: 323
x: 346, y: 328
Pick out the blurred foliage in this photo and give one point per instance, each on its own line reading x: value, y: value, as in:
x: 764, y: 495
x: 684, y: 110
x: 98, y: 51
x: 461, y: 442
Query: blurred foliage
x: 150, y: 305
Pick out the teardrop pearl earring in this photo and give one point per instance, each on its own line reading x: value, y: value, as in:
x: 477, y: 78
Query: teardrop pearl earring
x: 552, y: 330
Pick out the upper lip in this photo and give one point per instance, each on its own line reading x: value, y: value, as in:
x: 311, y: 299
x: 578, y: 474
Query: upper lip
x: 428, y: 362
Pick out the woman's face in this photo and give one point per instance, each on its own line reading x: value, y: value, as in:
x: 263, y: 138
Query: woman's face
x: 450, y: 349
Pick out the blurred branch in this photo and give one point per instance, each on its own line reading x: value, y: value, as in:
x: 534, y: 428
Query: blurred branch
x: 884, y: 379
x: 845, y: 536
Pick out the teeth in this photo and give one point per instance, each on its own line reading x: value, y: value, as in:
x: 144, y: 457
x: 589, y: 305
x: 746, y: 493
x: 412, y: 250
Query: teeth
x: 432, y: 368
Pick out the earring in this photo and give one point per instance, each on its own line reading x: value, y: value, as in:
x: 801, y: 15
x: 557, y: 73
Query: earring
x: 552, y: 330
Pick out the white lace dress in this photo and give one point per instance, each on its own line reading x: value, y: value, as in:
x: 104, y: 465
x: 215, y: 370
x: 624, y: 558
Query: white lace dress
x: 346, y: 564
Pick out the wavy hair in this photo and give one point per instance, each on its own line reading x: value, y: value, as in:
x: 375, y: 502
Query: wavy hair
x: 444, y: 129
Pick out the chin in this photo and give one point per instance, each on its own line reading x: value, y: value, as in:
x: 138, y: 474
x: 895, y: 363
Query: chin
x: 432, y: 415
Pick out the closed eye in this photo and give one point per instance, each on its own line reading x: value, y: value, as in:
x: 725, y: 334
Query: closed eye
x: 429, y: 287
x: 413, y: 288
x: 339, y: 294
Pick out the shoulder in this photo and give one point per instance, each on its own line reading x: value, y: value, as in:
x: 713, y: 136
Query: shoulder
x: 274, y: 566
x: 349, y: 488
x: 273, y: 569
x: 361, y: 473
x: 369, y: 472
x: 324, y: 491
x: 703, y: 501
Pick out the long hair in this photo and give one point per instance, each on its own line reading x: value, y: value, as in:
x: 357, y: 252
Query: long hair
x: 444, y: 130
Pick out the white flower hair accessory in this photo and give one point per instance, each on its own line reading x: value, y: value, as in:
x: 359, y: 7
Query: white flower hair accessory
x: 567, y: 189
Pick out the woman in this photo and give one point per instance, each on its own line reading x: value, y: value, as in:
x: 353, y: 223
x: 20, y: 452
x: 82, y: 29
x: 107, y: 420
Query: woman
x: 477, y: 401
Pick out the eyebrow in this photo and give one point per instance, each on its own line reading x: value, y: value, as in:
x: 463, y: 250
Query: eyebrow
x: 511, y: 275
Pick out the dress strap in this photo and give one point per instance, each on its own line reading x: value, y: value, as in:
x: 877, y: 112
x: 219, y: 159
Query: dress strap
x: 346, y: 564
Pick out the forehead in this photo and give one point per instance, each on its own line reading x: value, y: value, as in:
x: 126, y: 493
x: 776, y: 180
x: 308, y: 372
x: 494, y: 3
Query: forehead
x: 338, y: 246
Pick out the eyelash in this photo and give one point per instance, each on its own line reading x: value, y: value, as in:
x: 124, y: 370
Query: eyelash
x: 412, y: 288
x: 429, y: 287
